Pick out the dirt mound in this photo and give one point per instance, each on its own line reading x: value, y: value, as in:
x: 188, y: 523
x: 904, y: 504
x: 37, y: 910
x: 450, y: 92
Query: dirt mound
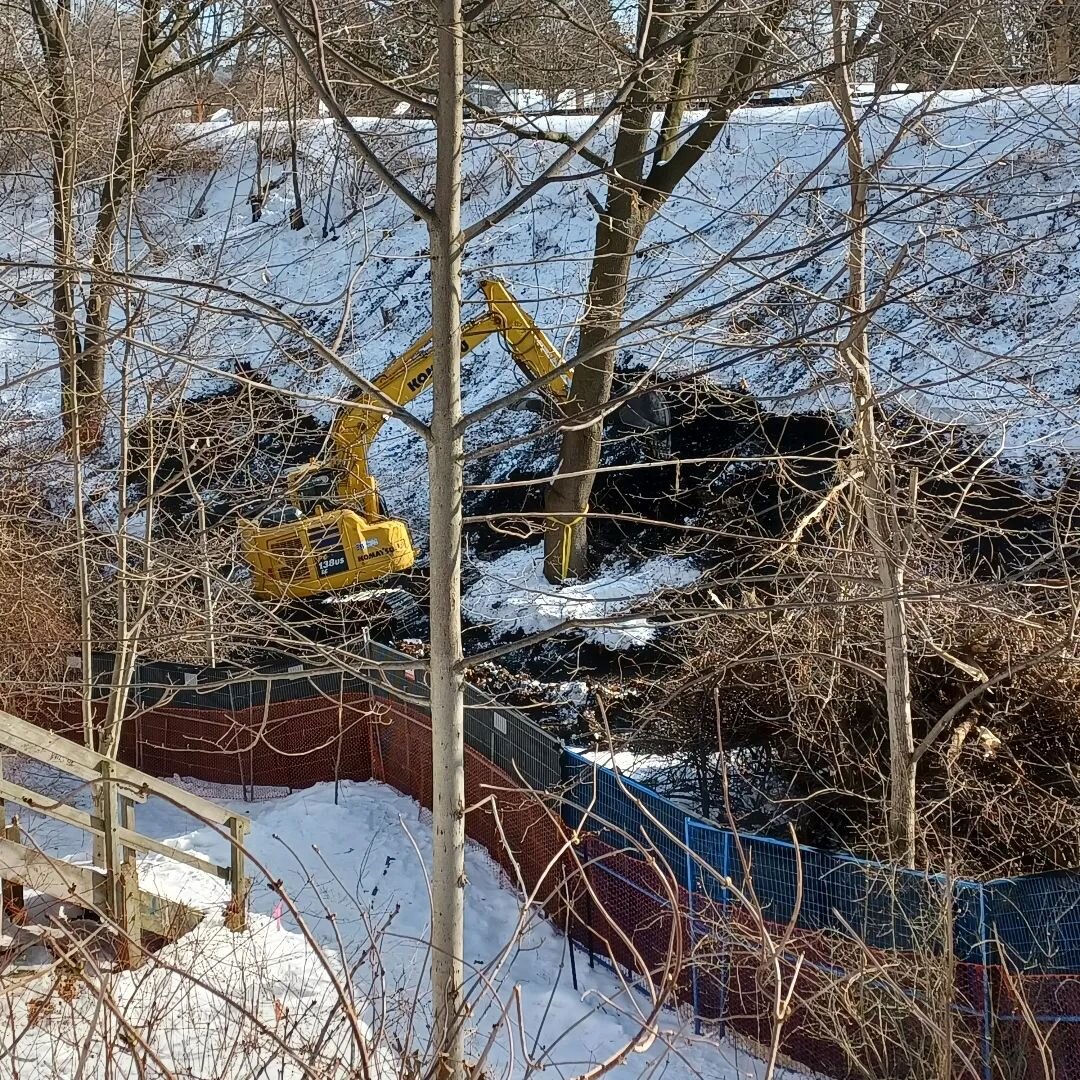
x: 228, y: 446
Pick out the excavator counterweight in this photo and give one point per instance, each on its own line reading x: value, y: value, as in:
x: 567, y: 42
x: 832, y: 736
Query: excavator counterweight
x: 327, y: 552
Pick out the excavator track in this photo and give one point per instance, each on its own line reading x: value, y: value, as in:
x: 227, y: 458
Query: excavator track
x: 397, y: 600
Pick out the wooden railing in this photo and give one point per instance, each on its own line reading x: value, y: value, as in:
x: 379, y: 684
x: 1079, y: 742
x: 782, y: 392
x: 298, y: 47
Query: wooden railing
x: 114, y: 891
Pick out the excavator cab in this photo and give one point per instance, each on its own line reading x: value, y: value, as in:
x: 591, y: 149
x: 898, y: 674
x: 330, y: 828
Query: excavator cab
x: 326, y: 552
x: 316, y: 545
x: 314, y: 490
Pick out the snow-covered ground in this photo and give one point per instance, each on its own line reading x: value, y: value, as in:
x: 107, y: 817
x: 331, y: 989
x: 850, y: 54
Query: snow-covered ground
x: 628, y: 763
x: 513, y: 597
x: 981, y: 326
x: 363, y: 856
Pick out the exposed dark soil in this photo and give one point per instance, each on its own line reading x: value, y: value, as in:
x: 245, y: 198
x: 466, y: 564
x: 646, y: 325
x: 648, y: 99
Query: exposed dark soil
x: 226, y: 446
x: 716, y: 451
x: 725, y: 479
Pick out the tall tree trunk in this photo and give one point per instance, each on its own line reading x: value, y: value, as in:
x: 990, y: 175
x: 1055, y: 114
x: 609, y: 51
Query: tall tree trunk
x: 566, y: 536
x: 875, y: 471
x: 95, y: 342
x: 618, y: 230
x: 53, y: 26
x: 895, y: 36
x: 682, y: 89
x: 1061, y: 41
x: 118, y: 187
x: 445, y: 462
x: 633, y: 198
x: 877, y: 490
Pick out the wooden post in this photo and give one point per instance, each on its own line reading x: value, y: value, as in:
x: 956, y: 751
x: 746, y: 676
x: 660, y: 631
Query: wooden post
x: 11, y: 892
x: 12, y: 903
x: 107, y: 801
x: 121, y: 874
x: 126, y: 812
x: 131, y: 952
x: 236, y: 915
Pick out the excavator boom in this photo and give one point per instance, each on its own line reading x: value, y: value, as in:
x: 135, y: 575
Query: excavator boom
x: 406, y: 377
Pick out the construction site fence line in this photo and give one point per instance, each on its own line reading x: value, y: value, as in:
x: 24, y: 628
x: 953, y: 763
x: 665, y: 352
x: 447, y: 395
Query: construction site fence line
x: 864, y: 936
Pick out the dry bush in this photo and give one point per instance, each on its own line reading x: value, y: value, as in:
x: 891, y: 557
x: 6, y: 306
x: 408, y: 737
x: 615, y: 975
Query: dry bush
x: 856, y: 1012
x: 794, y: 674
x: 229, y: 446
x: 795, y: 663
x: 24, y: 140
x: 39, y: 598
x: 173, y: 154
x: 177, y: 626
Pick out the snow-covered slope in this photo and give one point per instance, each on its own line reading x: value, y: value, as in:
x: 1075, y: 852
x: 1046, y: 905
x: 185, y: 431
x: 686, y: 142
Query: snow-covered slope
x: 364, y: 856
x: 980, y: 325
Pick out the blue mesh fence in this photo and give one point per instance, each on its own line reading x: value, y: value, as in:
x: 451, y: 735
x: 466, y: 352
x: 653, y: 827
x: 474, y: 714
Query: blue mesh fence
x: 1011, y: 948
x: 1034, y: 922
x: 623, y: 812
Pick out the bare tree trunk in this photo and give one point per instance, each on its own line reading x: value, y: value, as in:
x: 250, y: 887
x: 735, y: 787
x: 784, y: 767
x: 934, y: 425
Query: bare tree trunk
x: 150, y: 69
x: 86, y: 647
x: 53, y: 26
x: 896, y: 35
x: 633, y: 199
x: 445, y: 462
x: 91, y: 358
x: 114, y: 191
x: 1061, y: 44
x: 876, y: 489
x: 566, y: 536
x: 618, y: 230
x: 682, y: 88
x: 446, y: 485
x: 292, y: 117
x: 875, y: 473
x: 118, y: 186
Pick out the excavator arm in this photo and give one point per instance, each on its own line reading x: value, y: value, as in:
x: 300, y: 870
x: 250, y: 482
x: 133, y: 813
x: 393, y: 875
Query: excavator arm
x: 356, y: 425
x: 529, y: 346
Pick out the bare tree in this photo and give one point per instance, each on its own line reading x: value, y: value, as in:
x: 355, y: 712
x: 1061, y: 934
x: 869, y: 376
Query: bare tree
x: 148, y: 56
x: 446, y: 480
x: 156, y: 63
x: 445, y: 463
x: 54, y: 31
x: 636, y: 192
x: 873, y: 473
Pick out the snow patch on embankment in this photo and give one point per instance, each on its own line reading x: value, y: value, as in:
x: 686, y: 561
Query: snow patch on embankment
x: 980, y: 327
x: 513, y: 597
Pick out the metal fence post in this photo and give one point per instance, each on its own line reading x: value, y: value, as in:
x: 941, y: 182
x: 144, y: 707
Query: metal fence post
x: 725, y: 900
x: 987, y: 1020
x: 691, y: 885
x: 570, y: 804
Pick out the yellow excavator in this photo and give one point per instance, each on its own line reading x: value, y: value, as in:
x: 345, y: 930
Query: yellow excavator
x: 334, y: 534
